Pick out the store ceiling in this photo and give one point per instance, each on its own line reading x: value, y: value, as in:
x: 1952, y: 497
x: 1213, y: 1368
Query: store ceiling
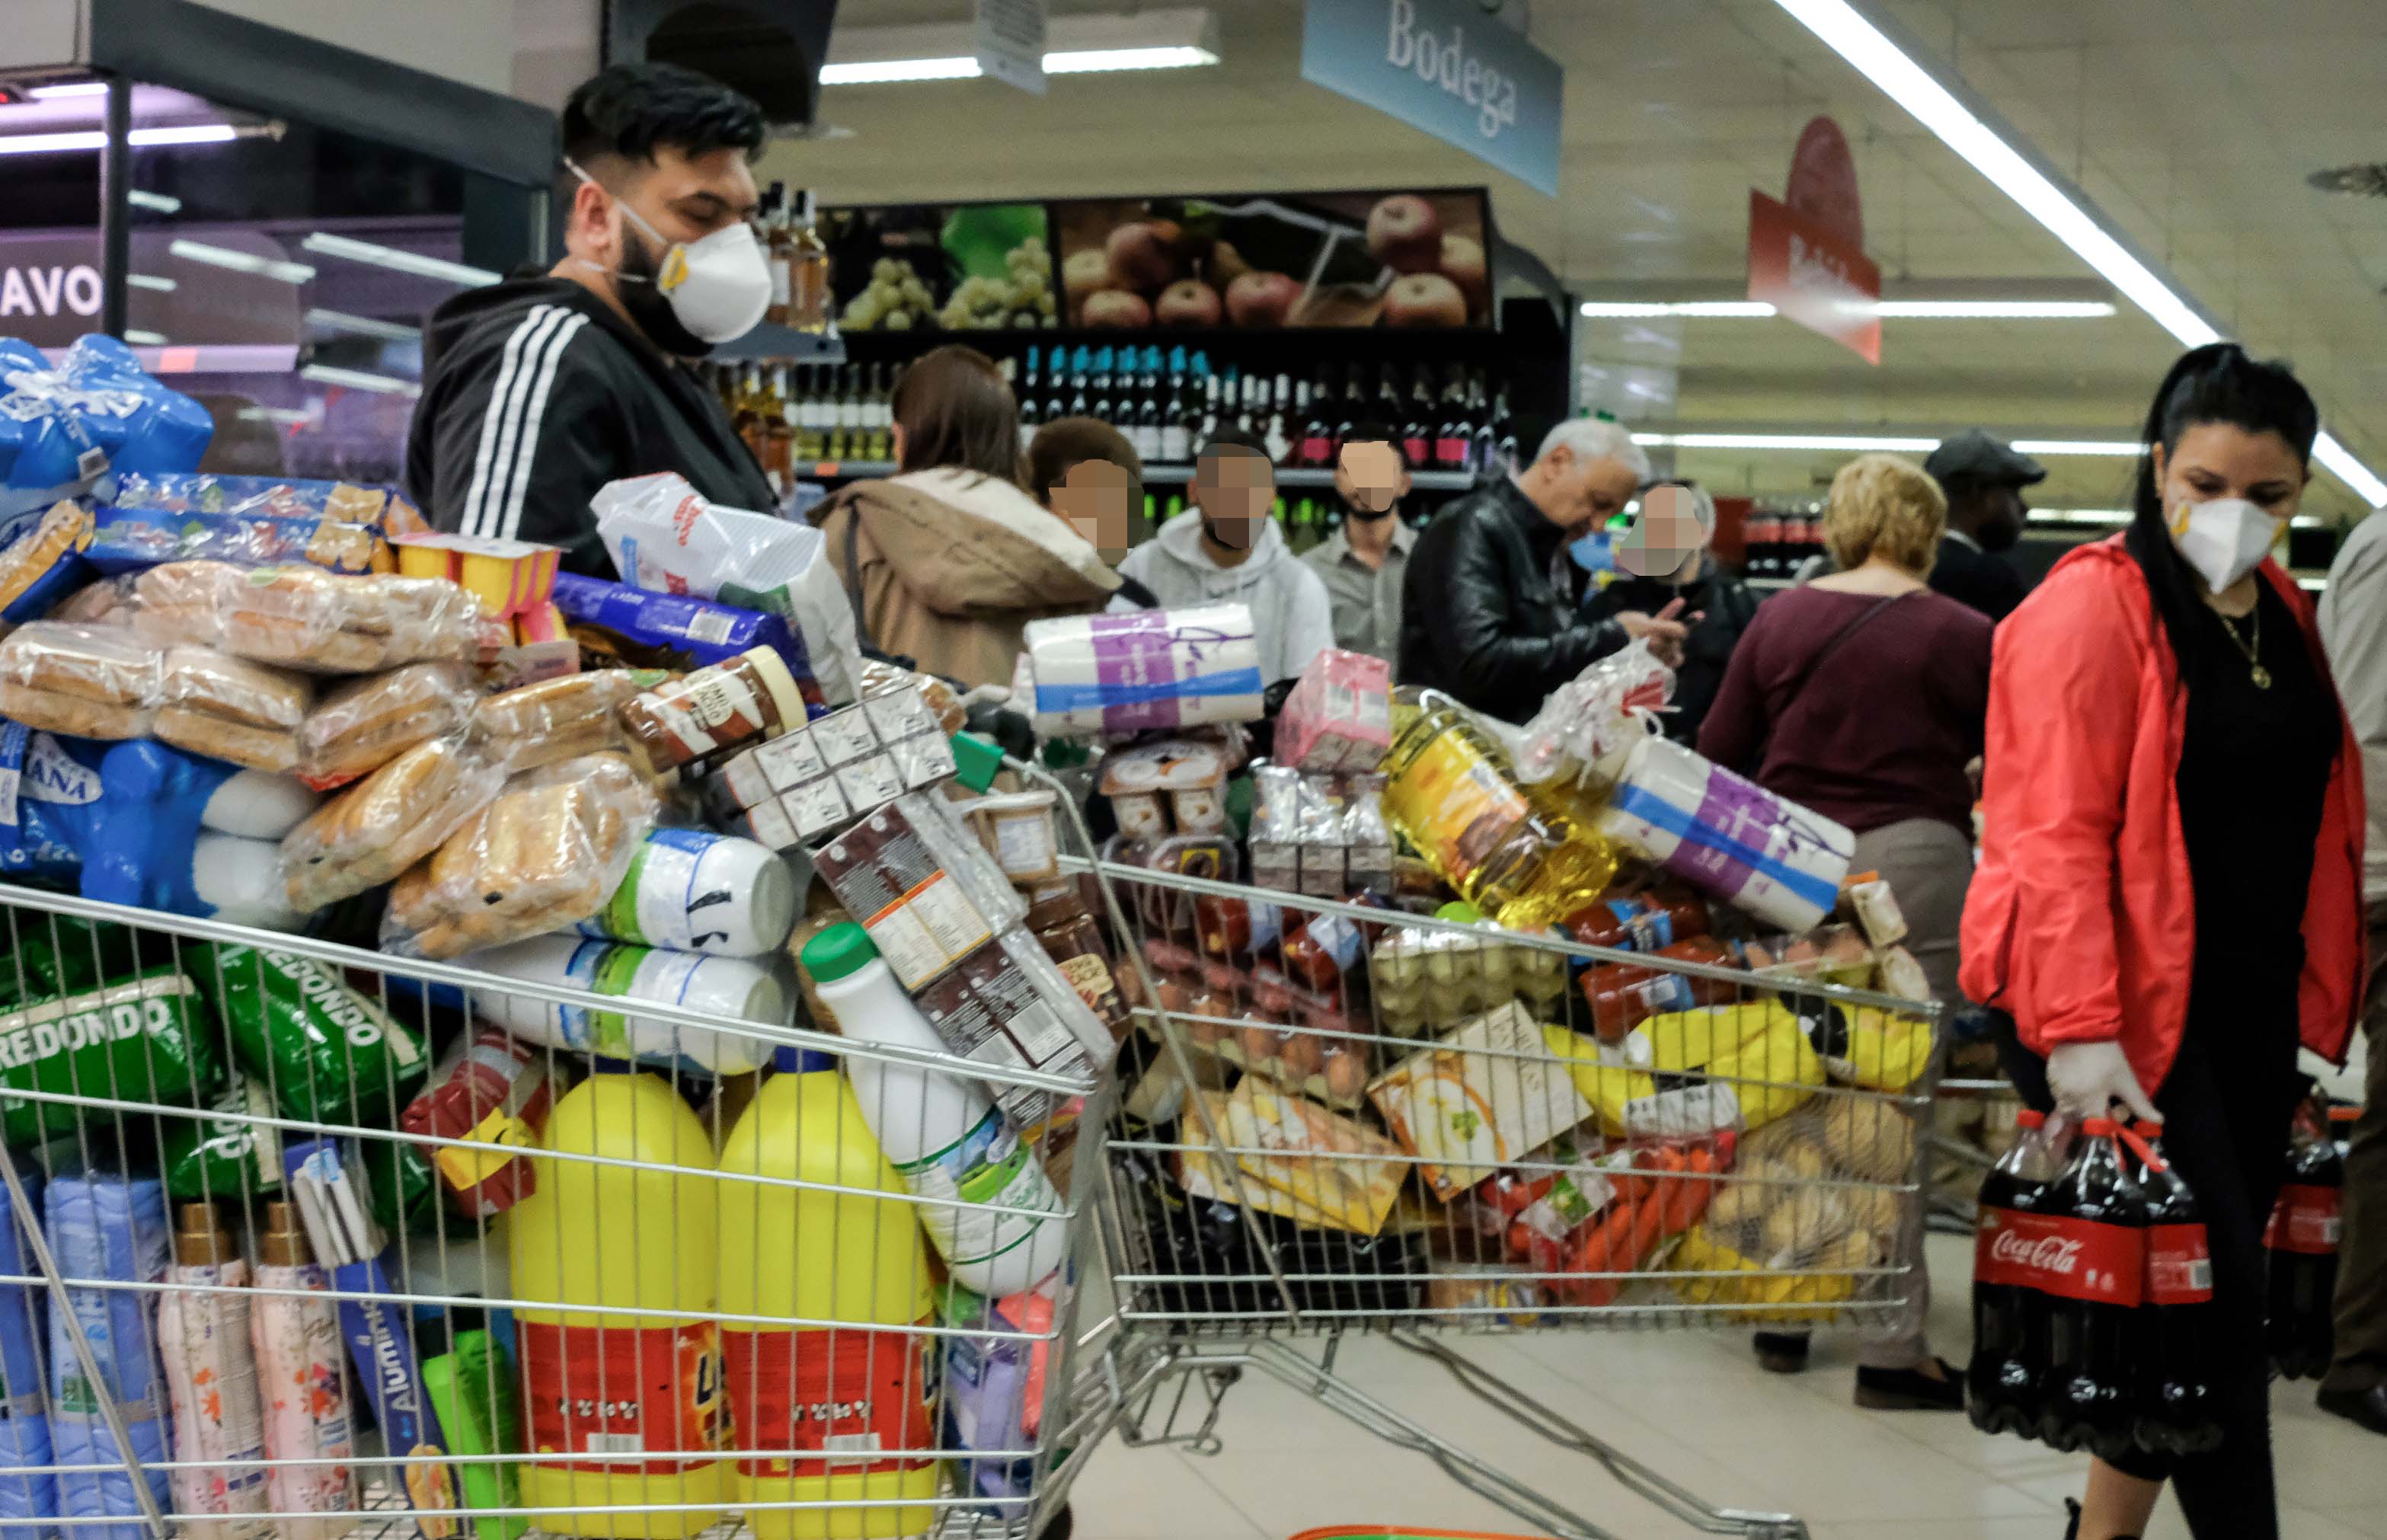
x: 2193, y: 122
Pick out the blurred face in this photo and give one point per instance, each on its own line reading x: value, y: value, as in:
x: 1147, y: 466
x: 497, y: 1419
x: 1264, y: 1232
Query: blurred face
x: 2003, y: 514
x: 1234, y: 489
x: 2221, y: 459
x: 1371, y: 477
x: 1092, y: 499
x: 1666, y: 539
x: 1576, y: 494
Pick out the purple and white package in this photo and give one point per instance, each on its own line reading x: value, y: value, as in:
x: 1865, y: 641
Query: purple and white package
x: 1147, y: 668
x: 1727, y: 836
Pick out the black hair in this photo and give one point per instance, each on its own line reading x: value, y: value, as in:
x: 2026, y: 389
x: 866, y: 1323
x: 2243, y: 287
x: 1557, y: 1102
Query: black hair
x: 632, y: 110
x: 1369, y: 431
x: 2217, y: 383
x: 1230, y: 437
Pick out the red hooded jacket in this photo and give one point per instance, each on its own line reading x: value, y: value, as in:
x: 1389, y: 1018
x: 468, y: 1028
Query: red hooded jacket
x: 2080, y: 922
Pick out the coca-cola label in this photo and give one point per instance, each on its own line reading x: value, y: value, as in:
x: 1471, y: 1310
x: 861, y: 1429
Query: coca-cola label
x: 2304, y: 1220
x: 2057, y: 1254
x: 2180, y: 1271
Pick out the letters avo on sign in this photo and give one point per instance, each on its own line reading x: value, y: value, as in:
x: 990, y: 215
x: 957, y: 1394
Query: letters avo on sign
x: 49, y: 291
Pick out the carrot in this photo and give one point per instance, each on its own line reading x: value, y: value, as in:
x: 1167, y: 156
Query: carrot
x: 1692, y: 1192
x: 1610, y: 1245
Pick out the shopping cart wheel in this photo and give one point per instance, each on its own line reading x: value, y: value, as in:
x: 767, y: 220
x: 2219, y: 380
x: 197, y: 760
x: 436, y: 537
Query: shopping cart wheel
x: 1060, y: 1526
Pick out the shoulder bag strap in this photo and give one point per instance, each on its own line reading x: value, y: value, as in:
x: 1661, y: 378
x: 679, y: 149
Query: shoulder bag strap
x: 1815, y: 665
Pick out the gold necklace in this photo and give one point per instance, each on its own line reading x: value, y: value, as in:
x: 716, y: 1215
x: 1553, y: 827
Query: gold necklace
x: 2261, y: 675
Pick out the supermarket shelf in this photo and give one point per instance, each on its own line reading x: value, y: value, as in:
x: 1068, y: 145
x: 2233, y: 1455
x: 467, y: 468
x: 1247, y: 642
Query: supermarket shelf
x: 1154, y: 475
x: 771, y: 344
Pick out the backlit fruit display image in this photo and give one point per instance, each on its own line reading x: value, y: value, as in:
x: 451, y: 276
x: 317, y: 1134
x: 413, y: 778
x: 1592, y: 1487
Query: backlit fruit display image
x: 1334, y: 259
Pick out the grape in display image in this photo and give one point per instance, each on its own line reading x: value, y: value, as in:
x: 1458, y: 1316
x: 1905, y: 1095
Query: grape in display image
x: 895, y: 300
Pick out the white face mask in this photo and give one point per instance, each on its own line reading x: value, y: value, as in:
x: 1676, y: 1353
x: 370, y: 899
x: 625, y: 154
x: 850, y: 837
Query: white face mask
x: 2223, y: 539
x: 718, y: 287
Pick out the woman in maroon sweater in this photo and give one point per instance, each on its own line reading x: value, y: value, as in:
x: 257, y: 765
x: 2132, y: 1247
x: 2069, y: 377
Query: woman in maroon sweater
x: 1864, y: 695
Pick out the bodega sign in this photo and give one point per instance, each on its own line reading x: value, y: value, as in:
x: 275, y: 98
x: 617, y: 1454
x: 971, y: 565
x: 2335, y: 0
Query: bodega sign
x: 1446, y: 67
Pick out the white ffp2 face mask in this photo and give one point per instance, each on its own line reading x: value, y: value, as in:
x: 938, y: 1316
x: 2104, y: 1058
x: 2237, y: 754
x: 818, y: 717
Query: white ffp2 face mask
x: 2223, y: 539
x: 718, y: 287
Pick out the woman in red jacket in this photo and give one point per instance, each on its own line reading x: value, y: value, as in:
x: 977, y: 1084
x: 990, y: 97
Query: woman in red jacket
x: 2168, y: 899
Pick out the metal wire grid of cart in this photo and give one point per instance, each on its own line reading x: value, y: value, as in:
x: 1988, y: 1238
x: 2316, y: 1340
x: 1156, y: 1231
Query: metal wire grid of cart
x: 1388, y: 1124
x: 689, y: 1328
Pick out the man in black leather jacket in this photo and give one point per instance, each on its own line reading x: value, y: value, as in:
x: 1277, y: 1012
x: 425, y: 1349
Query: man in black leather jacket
x: 1482, y: 618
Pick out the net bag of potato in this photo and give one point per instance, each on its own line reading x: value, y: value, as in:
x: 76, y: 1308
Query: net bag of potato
x: 547, y: 853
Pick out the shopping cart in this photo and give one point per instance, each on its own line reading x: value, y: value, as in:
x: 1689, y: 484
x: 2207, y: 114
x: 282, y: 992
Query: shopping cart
x: 862, y: 1398
x: 1756, y: 1154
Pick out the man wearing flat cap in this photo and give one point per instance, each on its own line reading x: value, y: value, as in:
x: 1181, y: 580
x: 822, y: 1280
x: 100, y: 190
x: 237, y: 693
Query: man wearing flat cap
x: 1983, y: 478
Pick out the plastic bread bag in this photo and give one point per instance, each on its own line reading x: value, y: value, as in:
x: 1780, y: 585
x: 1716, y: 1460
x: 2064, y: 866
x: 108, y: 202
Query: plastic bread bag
x: 229, y: 708
x: 375, y: 829
x: 558, y: 719
x: 546, y: 855
x: 1589, y: 725
x: 304, y: 617
x: 364, y: 723
x: 84, y: 681
x: 41, y: 560
x: 666, y: 538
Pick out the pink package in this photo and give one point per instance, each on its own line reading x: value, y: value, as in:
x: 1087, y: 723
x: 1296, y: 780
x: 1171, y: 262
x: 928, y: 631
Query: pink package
x: 1340, y: 714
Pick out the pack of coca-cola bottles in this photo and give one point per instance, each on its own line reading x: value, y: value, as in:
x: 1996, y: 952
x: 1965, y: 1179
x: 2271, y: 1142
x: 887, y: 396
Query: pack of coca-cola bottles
x: 2088, y: 1274
x: 2301, y: 1241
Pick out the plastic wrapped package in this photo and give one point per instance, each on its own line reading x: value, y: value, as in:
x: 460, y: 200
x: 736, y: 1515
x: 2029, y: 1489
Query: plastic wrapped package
x: 231, y: 709
x: 249, y: 520
x: 547, y: 853
x: 1588, y: 726
x: 1148, y: 668
x: 1340, y: 713
x: 85, y: 681
x: 386, y: 823
x: 305, y: 617
x: 666, y: 538
x: 637, y: 629
x: 1727, y: 836
x: 558, y: 719
x: 880, y: 677
x: 924, y: 889
x: 362, y: 724
x: 41, y: 559
x: 96, y: 410
x: 24, y: 1392
x: 110, y: 1231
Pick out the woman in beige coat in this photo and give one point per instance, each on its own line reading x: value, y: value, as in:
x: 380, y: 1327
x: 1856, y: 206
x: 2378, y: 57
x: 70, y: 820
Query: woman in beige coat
x: 949, y: 559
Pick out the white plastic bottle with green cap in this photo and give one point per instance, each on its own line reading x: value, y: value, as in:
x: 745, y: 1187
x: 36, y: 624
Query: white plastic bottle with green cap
x: 990, y: 1212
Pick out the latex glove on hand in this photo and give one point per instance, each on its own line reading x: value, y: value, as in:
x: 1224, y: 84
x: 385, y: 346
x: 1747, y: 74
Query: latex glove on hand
x: 2088, y: 1078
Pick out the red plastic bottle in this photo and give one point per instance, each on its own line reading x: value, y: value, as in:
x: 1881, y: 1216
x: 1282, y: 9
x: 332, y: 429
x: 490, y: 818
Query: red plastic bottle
x: 2175, y: 1410
x: 2302, y: 1239
x: 2006, y: 1381
x: 2089, y: 1255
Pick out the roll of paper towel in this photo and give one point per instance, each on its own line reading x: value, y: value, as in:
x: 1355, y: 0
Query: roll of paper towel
x: 1145, y: 668
x: 1728, y: 836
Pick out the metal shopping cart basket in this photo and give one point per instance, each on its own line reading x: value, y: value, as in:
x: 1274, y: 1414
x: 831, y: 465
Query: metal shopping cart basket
x: 659, y: 1318
x: 1413, y: 1128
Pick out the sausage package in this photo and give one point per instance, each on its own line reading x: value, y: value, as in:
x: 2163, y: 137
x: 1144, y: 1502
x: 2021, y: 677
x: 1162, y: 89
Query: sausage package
x: 307, y: 618
x: 547, y: 853
x: 375, y: 829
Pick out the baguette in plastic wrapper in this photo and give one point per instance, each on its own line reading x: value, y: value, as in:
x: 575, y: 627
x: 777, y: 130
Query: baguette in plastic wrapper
x: 375, y: 829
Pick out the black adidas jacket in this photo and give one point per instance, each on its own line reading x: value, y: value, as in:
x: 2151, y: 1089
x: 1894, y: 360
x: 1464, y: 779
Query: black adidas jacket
x: 533, y: 396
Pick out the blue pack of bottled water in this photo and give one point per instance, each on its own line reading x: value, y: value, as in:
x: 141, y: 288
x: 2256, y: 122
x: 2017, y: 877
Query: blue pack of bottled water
x: 24, y: 1391
x: 104, y: 1227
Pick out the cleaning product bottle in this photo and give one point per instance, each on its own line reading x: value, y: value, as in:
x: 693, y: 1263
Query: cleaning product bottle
x: 203, y: 1331
x: 305, y: 1406
x: 1521, y: 857
x: 724, y: 986
x: 822, y: 1255
x: 956, y: 1151
x: 633, y: 1231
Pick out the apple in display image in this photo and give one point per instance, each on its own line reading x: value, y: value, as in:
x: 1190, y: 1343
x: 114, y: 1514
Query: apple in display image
x: 1141, y: 255
x: 1423, y: 300
x: 1463, y: 263
x: 1117, y: 307
x: 1404, y: 234
x: 1260, y: 301
x: 1187, y: 302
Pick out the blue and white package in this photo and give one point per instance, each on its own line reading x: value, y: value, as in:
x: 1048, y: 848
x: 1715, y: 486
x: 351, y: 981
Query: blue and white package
x: 103, y: 1227
x: 24, y: 1390
x: 95, y: 411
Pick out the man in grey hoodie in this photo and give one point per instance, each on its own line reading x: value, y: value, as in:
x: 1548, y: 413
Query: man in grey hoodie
x: 1225, y: 550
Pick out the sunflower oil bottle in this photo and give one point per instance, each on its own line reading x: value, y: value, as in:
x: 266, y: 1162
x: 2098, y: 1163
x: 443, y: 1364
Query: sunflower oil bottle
x: 1524, y: 857
x: 627, y: 1233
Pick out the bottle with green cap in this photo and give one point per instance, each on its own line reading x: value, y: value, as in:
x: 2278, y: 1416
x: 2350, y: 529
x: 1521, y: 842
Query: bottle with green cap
x: 985, y: 1202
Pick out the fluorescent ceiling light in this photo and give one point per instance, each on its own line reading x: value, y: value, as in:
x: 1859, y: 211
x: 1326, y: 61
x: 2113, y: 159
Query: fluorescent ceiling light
x: 2120, y: 449
x: 1868, y: 443
x: 73, y: 88
x: 396, y: 261
x: 145, y: 340
x: 141, y: 138
x: 240, y: 261
x: 152, y: 282
x: 283, y: 415
x: 1178, y: 38
x: 1873, y: 55
x: 362, y: 325
x: 157, y: 203
x: 1899, y: 310
x: 358, y: 379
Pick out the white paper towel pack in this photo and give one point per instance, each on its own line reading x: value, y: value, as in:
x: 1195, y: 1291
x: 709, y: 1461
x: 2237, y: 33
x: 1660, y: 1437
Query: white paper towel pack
x: 1143, y: 668
x: 1728, y: 836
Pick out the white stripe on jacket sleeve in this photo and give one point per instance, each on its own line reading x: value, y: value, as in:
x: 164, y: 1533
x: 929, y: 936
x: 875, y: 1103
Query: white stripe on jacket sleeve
x: 506, y: 516
x: 491, y: 460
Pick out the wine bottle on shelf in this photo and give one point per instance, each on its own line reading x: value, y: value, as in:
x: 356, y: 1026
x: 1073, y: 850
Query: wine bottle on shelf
x: 805, y: 412
x: 1214, y: 404
x: 1146, y: 437
x: 878, y: 415
x: 1316, y: 450
x: 1081, y: 363
x: 1479, y: 411
x: 777, y: 238
x: 809, y: 296
x: 1099, y: 394
x: 779, y: 438
x: 1454, y: 438
x: 1417, y: 424
x: 1281, y: 423
x: 1349, y: 409
x: 1031, y: 408
x: 746, y: 414
x: 1179, y: 413
x: 1386, y: 408
x: 1057, y: 406
x: 1503, y: 435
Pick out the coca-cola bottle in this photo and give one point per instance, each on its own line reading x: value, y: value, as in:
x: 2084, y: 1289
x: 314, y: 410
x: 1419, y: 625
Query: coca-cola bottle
x: 2302, y: 1241
x: 2005, y: 1382
x: 2088, y: 1252
x: 2176, y: 1404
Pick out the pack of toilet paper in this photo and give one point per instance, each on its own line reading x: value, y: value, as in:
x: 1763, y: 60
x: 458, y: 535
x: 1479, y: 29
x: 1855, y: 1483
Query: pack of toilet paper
x: 1144, y: 668
x: 1727, y: 836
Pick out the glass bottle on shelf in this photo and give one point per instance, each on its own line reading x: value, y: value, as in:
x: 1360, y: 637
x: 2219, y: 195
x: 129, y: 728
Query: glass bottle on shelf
x: 1099, y: 397
x: 1316, y: 450
x: 746, y: 412
x: 1504, y: 434
x: 779, y: 438
x: 1080, y: 362
x: 1057, y: 406
x: 779, y: 250
x: 1214, y: 402
x: 1178, y: 414
x: 1148, y: 407
x: 1417, y: 424
x: 805, y: 412
x: 1386, y: 408
x: 1282, y: 422
x: 1349, y: 412
x: 808, y: 269
x: 1479, y: 411
x: 849, y: 415
x: 1031, y: 408
x: 878, y: 416
x: 1454, y: 437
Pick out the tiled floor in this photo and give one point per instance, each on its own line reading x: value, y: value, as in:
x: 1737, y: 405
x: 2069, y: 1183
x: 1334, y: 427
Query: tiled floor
x: 1699, y: 1410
